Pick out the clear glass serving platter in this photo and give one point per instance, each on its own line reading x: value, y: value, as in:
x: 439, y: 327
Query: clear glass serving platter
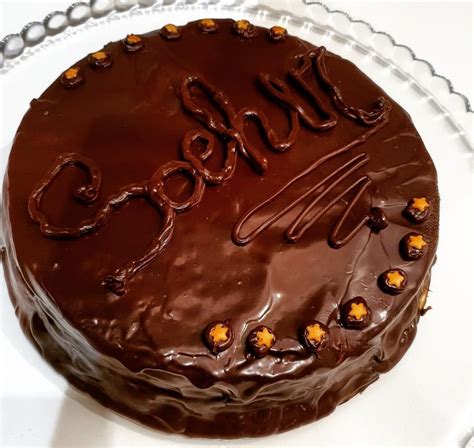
x: 426, y: 399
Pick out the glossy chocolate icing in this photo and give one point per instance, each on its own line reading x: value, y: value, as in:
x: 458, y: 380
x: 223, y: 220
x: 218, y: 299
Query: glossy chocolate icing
x: 142, y: 353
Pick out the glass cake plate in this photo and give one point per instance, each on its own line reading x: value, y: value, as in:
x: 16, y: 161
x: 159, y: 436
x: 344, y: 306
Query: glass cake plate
x: 426, y: 399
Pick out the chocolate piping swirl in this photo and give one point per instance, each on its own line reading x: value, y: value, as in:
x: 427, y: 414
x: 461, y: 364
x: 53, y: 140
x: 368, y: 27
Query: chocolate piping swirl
x: 211, y: 177
x: 364, y: 117
x: 293, y: 234
x: 363, y: 183
x: 230, y: 128
x: 280, y: 91
x: 233, y: 131
x: 85, y: 194
x: 153, y: 190
x: 223, y: 104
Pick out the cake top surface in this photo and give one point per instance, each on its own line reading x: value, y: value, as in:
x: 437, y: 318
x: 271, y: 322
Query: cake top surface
x: 220, y: 198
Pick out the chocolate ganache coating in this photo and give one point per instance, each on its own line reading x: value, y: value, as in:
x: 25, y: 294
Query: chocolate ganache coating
x: 175, y: 218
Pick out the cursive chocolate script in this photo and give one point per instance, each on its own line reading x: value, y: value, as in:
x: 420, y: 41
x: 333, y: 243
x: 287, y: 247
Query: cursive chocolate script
x: 228, y: 125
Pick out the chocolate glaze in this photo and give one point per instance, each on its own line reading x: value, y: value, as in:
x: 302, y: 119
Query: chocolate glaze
x: 142, y: 352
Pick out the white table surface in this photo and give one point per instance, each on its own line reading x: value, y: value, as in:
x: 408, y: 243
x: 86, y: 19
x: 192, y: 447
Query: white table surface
x: 441, y: 32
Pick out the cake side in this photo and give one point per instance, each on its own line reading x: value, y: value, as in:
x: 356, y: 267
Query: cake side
x: 329, y: 277
x: 170, y: 403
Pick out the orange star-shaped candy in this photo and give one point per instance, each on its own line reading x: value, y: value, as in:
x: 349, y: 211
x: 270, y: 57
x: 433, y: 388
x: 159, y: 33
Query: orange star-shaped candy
x: 265, y: 337
x: 219, y: 333
x: 278, y: 30
x: 71, y: 73
x: 171, y: 29
x: 99, y: 55
x: 72, y: 77
x: 358, y: 310
x: 100, y: 59
x: 417, y: 241
x: 242, y: 25
x: 133, y: 39
x: 315, y: 332
x: 420, y: 204
x: 208, y: 23
x: 394, y: 278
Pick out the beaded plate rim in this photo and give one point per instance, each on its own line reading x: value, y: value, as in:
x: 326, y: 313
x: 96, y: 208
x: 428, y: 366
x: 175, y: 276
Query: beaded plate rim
x: 13, y: 46
x: 430, y: 66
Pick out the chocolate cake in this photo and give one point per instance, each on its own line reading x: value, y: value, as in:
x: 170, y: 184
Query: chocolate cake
x: 218, y: 229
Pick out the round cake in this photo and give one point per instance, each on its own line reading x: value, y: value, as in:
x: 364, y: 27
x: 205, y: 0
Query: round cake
x: 218, y: 229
